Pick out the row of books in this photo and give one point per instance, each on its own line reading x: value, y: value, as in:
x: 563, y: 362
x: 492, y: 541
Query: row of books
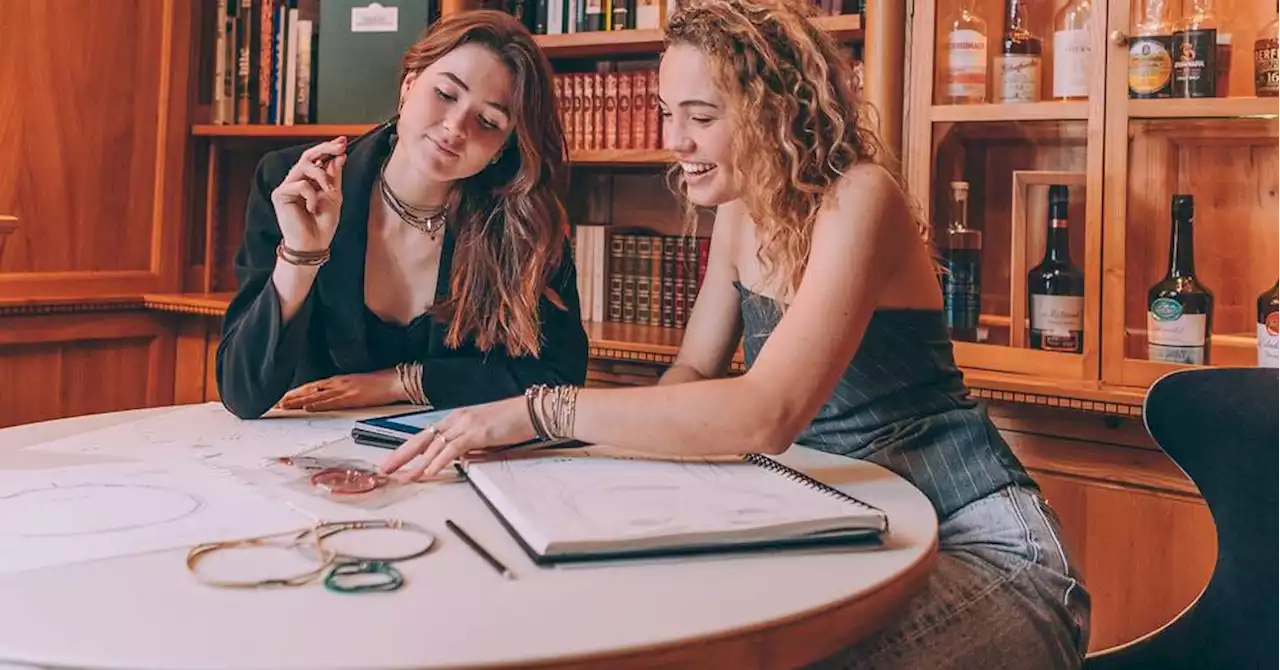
x: 638, y: 277
x: 610, y: 110
x: 556, y: 17
x: 264, y: 65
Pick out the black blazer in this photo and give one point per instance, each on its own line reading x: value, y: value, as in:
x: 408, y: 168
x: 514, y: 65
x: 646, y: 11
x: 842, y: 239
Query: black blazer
x: 260, y: 358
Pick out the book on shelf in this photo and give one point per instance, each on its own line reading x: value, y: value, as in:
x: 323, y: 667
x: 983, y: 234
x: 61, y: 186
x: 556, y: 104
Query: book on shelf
x: 595, y: 503
x: 638, y: 276
x: 614, y: 107
x: 265, y: 61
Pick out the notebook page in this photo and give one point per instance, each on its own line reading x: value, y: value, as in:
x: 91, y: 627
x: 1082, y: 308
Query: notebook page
x: 591, y: 500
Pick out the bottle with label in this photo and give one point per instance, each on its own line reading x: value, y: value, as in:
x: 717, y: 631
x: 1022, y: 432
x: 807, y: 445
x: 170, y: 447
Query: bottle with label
x: 1150, y: 52
x: 1195, y: 51
x: 1055, y: 287
x: 965, y: 74
x: 1017, y: 69
x: 1072, y: 51
x: 1266, y: 67
x: 1269, y: 327
x: 1179, y: 307
x: 962, y: 268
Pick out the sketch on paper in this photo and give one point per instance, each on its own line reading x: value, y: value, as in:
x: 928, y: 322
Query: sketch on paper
x: 207, y: 432
x: 581, y: 497
x: 74, y: 514
x: 87, y: 509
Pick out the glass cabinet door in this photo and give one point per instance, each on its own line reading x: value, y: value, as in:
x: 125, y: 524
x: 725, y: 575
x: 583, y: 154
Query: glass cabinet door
x: 1005, y: 155
x: 1190, y: 249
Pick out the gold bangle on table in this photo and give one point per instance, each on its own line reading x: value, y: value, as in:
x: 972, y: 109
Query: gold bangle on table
x: 322, y: 556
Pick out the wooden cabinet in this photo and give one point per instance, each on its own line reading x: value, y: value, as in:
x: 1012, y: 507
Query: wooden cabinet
x: 1121, y: 160
x: 1055, y: 109
x: 93, y: 157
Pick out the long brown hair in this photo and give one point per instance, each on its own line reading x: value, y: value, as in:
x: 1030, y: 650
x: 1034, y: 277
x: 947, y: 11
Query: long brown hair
x: 511, y: 223
x: 800, y: 121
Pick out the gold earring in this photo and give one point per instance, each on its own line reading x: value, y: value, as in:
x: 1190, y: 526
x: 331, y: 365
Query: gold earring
x: 496, y: 157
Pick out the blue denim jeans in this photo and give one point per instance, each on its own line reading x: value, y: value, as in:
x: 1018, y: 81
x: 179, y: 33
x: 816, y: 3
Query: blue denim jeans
x: 1003, y: 594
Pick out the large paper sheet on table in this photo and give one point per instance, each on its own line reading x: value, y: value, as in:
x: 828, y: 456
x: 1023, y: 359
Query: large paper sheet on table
x: 68, y: 515
x: 209, y: 433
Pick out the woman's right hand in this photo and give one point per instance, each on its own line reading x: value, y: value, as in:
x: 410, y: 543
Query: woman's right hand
x: 307, y: 202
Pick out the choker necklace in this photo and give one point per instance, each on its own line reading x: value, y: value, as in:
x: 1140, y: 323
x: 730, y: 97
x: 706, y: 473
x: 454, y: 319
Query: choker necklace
x: 429, y: 220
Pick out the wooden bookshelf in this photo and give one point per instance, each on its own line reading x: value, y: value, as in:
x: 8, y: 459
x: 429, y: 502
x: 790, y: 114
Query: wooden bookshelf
x: 272, y: 131
x: 317, y: 131
x: 1204, y: 108
x: 846, y: 28
x: 658, y: 346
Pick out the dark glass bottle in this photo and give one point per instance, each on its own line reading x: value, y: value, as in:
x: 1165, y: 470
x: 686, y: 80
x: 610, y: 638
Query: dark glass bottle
x: 1179, y: 307
x: 1195, y: 52
x: 1269, y: 327
x: 962, y: 268
x: 1055, y: 287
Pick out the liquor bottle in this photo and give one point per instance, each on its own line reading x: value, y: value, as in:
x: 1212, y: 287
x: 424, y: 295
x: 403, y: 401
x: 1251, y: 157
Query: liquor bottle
x: 1072, y: 51
x: 1017, y: 68
x: 1150, y: 49
x: 965, y: 75
x: 962, y: 268
x: 1269, y: 327
x: 1055, y: 287
x: 1179, y: 307
x: 1266, y: 66
x: 1195, y: 50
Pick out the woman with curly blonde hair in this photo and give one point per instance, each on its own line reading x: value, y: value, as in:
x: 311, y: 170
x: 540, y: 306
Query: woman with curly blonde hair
x: 819, y: 265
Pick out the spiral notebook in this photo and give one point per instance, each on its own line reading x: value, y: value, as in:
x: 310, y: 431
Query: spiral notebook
x: 584, y: 506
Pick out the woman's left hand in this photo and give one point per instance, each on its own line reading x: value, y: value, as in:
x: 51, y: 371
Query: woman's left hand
x: 465, y: 430
x: 367, y: 389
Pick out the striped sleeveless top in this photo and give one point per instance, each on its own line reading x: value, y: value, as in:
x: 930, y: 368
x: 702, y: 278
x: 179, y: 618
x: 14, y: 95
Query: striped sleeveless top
x: 902, y: 404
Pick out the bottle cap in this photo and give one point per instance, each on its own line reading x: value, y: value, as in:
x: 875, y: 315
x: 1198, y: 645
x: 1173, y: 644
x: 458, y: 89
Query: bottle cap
x: 960, y: 186
x: 1183, y: 205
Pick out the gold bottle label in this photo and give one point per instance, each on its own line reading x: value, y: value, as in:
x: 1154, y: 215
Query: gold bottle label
x: 1150, y: 67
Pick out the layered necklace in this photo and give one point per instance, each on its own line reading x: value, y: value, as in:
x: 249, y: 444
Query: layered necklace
x: 429, y: 220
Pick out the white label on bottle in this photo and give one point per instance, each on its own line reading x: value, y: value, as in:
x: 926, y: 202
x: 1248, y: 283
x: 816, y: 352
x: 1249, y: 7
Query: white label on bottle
x: 375, y: 19
x: 1057, y: 315
x: 1071, y: 56
x: 1175, y: 337
x: 967, y: 67
x: 1268, y: 343
x: 1017, y: 78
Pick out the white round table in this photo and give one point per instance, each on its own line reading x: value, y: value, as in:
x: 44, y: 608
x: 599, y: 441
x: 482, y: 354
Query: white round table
x: 768, y: 609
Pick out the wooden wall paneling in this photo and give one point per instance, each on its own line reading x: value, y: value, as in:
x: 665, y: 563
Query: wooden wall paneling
x: 1144, y: 555
x: 95, y: 155
x: 1134, y: 524
x: 190, y: 360
x: 72, y: 364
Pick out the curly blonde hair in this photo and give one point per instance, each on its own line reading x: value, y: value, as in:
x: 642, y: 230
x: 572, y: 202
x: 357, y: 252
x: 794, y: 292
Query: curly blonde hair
x: 800, y: 122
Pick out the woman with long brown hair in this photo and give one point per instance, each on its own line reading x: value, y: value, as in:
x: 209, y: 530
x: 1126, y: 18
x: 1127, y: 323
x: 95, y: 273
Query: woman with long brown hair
x: 820, y: 267
x: 425, y: 261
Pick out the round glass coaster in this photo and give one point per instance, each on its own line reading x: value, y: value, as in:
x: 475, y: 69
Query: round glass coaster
x: 347, y: 481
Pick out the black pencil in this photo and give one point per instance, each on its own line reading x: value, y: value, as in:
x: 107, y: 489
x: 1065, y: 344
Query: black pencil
x: 497, y: 565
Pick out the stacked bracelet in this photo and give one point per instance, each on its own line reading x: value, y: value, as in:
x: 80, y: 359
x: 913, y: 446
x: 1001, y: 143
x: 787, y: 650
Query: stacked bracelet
x: 552, y: 410
x: 295, y: 257
x: 411, y: 380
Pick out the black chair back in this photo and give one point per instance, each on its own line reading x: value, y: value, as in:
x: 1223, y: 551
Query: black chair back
x: 1221, y: 426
